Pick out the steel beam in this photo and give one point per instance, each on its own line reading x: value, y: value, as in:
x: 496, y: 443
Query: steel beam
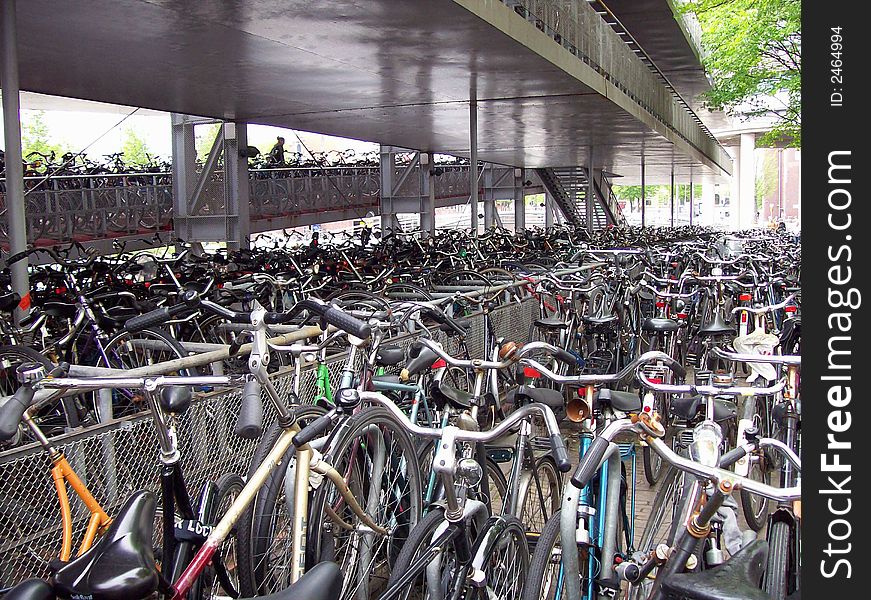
x: 387, y: 161
x: 427, y: 198
x: 519, y: 201
x: 643, y: 193
x: 15, y: 213
x: 548, y: 210
x: 184, y: 163
x: 489, y: 197
x: 591, y: 192
x: 473, y: 151
x: 236, y: 185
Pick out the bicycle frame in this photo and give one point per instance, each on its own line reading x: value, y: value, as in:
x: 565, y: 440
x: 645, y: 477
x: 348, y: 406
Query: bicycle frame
x: 62, y: 474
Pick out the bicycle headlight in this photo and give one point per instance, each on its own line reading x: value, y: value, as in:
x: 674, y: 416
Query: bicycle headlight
x: 705, y: 448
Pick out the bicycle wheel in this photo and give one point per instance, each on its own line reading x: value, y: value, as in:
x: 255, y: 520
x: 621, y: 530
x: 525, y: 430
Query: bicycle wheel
x: 667, y: 505
x: 123, y: 352
x: 498, y: 487
x: 755, y: 508
x: 782, y: 567
x: 52, y: 419
x: 542, y: 496
x: 503, y: 556
x: 263, y: 532
x: 378, y: 459
x: 442, y: 567
x: 212, y: 585
x: 545, y: 580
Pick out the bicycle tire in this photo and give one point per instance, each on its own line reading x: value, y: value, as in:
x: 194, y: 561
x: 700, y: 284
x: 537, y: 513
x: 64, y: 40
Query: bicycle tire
x: 498, y: 558
x: 755, y: 508
x: 775, y: 582
x: 10, y: 358
x: 228, y: 486
x: 419, y: 539
x: 544, y: 567
x: 120, y: 354
x: 530, y: 508
x: 396, y: 503
x: 257, y: 525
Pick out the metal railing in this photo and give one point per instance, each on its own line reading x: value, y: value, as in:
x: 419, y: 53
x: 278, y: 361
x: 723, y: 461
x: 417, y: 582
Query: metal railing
x: 577, y: 27
x: 76, y: 207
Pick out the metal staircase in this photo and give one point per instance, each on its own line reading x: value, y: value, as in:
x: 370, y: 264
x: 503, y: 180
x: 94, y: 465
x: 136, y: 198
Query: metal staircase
x: 568, y: 186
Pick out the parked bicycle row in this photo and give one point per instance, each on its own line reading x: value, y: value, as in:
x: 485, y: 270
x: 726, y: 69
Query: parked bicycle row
x: 432, y: 466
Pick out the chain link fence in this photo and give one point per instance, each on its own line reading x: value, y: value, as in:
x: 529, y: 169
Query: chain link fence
x: 118, y: 458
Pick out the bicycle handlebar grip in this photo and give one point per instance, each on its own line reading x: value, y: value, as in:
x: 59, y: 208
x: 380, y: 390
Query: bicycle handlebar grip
x: 732, y: 456
x: 590, y: 462
x: 312, y: 431
x: 156, y: 317
x: 339, y: 318
x: 566, y: 357
x: 560, y: 453
x: 249, y: 424
x: 678, y: 369
x: 12, y: 410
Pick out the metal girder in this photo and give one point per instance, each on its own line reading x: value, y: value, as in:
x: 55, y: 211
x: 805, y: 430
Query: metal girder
x: 519, y: 200
x: 208, y: 207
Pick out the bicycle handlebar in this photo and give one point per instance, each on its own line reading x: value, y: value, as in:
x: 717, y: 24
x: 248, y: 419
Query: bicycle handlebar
x: 557, y: 444
x: 191, y: 301
x: 589, y: 464
x: 709, y: 390
x: 644, y: 359
x: 764, y: 309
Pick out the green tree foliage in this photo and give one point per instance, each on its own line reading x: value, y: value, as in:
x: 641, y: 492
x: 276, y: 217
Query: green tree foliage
x: 205, y: 137
x: 35, y: 137
x: 753, y: 52
x: 134, y: 148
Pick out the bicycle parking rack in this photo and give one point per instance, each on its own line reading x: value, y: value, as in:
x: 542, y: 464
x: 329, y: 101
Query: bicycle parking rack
x: 116, y: 458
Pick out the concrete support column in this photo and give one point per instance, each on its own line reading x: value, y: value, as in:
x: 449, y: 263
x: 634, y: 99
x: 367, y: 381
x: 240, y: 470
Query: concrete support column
x: 473, y: 158
x: 671, y: 200
x: 15, y: 213
x: 734, y: 189
x: 427, y: 196
x: 591, y: 191
x: 519, y: 201
x: 692, y: 202
x: 643, y: 194
x: 747, y: 182
x: 489, y: 197
x: 707, y: 206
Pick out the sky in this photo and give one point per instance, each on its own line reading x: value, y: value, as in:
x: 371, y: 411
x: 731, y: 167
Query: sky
x: 82, y: 124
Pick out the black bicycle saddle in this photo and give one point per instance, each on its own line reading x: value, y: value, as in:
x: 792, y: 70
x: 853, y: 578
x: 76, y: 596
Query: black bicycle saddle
x: 736, y: 579
x: 622, y: 401
x: 321, y: 582
x: 717, y: 326
x: 120, y: 566
x: 443, y: 393
x: 31, y: 589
